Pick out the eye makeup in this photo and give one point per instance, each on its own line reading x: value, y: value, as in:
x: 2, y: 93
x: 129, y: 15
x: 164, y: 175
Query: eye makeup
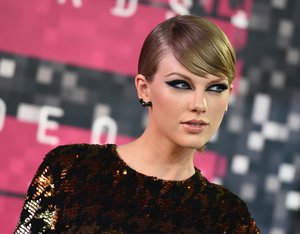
x: 219, y: 88
x: 185, y: 83
x: 179, y: 84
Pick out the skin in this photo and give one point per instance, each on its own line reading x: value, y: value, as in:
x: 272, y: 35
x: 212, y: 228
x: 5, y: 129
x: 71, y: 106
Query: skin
x: 166, y: 148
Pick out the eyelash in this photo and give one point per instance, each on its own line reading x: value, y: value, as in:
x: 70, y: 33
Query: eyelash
x: 219, y: 88
x: 177, y: 83
x: 181, y: 84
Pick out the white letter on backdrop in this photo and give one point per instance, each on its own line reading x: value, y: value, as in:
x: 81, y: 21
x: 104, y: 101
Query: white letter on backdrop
x: 45, y: 123
x: 121, y: 10
x: 179, y: 7
x: 2, y: 113
x: 99, y: 125
x: 76, y: 3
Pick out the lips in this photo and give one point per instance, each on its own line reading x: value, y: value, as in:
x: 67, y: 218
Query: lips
x: 194, y: 126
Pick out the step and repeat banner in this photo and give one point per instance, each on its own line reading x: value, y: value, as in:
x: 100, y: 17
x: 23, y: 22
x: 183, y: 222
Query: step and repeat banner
x: 67, y: 72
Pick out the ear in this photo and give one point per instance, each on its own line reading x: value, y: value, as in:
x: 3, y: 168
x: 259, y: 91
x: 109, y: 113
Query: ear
x: 230, y: 89
x: 142, y: 87
x: 229, y: 96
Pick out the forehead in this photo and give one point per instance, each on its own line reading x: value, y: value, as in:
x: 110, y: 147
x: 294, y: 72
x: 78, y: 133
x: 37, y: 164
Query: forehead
x: 170, y: 66
x: 168, y: 59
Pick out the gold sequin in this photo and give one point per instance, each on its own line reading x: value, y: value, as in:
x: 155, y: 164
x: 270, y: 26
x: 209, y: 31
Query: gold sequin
x: 100, y: 193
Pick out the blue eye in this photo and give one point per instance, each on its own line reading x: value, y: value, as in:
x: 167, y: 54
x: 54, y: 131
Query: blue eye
x: 179, y: 84
x: 219, y: 88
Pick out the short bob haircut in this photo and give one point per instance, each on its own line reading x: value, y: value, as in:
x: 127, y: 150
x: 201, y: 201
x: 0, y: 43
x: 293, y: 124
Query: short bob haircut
x: 197, y: 43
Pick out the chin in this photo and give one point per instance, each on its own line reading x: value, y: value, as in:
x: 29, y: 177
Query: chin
x: 192, y: 141
x: 196, y: 144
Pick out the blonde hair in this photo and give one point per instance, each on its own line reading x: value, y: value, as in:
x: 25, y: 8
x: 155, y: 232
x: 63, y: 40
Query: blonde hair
x: 197, y: 43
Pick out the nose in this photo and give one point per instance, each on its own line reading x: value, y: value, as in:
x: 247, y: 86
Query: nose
x: 198, y: 102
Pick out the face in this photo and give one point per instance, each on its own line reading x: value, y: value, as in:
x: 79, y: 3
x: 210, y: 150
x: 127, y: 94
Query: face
x: 187, y: 109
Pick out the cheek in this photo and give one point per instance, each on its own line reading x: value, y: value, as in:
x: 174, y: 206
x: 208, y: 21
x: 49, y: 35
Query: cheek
x: 167, y: 99
x: 168, y: 107
x: 217, y: 106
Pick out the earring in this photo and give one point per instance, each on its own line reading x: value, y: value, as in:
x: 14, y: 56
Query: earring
x: 145, y: 104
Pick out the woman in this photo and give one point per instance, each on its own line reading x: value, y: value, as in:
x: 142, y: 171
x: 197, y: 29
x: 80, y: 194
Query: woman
x: 185, y: 73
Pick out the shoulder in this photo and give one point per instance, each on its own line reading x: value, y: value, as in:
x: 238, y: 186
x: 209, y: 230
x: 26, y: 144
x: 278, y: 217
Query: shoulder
x: 218, y: 193
x: 228, y: 208
x: 80, y: 148
x: 71, y: 151
x: 67, y: 156
x: 76, y: 162
x: 229, y: 201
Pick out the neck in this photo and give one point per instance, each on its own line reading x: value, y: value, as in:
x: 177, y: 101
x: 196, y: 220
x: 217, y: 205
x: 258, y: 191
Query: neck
x: 156, y: 156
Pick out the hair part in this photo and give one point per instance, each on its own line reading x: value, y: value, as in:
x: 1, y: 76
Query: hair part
x: 197, y: 43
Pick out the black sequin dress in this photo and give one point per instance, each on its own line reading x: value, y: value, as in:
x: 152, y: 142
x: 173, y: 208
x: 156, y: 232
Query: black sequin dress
x: 89, y: 189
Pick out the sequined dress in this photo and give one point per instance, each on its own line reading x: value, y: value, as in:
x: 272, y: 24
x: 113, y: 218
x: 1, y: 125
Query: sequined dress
x: 86, y: 188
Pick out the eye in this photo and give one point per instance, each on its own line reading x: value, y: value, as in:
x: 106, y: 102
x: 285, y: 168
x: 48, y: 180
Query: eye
x: 179, y: 84
x: 219, y: 88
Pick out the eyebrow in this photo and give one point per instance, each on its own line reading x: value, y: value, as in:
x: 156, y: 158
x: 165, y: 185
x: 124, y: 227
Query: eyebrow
x: 188, y: 78
x: 179, y: 74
